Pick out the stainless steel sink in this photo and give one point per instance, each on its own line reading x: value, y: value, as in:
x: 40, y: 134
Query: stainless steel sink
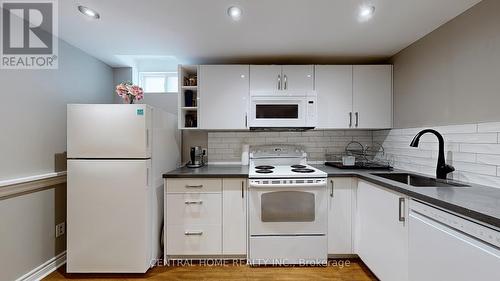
x: 419, y: 181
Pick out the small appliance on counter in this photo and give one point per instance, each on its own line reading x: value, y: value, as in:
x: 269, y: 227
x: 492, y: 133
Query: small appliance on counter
x: 197, y: 157
x: 356, y: 156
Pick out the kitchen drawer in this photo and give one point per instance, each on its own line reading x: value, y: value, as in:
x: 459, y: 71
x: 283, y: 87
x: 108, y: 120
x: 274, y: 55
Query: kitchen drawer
x: 194, y: 185
x: 194, y: 208
x: 207, y: 241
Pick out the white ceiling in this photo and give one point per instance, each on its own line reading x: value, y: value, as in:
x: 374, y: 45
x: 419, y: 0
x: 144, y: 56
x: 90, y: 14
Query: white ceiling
x: 280, y: 31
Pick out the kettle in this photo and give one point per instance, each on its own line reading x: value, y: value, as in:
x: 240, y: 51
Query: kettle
x: 197, y: 157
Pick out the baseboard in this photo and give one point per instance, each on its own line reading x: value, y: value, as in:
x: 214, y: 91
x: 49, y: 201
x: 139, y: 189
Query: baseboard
x: 44, y: 269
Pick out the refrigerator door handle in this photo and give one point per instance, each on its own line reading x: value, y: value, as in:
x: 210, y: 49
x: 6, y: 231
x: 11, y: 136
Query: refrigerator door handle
x: 147, y: 138
x: 147, y: 177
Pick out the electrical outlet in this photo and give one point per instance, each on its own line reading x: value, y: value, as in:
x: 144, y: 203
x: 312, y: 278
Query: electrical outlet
x: 60, y: 229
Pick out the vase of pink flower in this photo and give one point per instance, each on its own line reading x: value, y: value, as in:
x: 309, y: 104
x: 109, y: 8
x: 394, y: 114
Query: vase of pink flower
x: 129, y: 92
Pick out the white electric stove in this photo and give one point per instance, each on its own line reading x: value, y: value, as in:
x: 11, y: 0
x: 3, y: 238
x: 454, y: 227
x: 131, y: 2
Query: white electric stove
x: 287, y: 207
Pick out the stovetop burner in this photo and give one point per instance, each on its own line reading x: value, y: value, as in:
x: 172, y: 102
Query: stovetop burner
x: 264, y: 171
x: 264, y: 167
x: 298, y: 166
x: 303, y: 170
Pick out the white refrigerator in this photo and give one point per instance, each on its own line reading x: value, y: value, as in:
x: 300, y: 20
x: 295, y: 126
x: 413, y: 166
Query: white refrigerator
x: 117, y: 154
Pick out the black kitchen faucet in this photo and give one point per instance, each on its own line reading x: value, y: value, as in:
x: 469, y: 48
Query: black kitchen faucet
x: 442, y: 168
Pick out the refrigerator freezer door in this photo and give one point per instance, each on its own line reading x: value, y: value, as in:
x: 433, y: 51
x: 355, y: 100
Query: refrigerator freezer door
x: 109, y: 216
x: 109, y: 131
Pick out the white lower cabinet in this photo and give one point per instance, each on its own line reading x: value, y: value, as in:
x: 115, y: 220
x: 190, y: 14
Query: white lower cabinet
x: 205, y: 217
x: 193, y: 217
x: 381, y: 237
x: 234, y: 217
x: 340, y: 215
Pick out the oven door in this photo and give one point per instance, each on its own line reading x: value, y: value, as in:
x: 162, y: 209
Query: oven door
x: 278, y: 112
x: 288, y: 207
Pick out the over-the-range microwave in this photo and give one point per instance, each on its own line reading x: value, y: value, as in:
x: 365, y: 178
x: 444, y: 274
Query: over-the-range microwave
x: 283, y: 110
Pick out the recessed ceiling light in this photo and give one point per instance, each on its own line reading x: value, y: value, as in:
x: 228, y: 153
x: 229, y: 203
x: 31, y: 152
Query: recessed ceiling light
x: 88, y: 12
x: 234, y: 12
x: 366, y: 12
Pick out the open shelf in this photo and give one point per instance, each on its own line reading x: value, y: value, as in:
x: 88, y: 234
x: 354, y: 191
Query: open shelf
x: 188, y: 97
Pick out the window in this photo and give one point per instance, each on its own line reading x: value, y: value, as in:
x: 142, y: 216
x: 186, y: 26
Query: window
x: 158, y: 82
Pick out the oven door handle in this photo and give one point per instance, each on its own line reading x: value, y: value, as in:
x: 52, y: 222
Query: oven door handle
x: 288, y: 185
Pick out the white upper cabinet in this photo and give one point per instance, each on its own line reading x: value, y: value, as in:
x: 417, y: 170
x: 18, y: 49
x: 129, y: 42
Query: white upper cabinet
x: 382, y: 231
x: 372, y: 96
x: 265, y: 78
x: 334, y: 89
x: 271, y: 78
x: 340, y: 216
x: 223, y: 96
x: 297, y: 77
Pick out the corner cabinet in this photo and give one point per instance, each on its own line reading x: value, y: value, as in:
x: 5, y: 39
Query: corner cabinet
x: 372, y: 96
x: 357, y: 97
x: 205, y: 217
x: 340, y: 206
x: 224, y: 95
x: 381, y: 236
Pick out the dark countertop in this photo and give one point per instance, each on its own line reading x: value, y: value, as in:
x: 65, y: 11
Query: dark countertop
x: 478, y: 202
x: 210, y: 171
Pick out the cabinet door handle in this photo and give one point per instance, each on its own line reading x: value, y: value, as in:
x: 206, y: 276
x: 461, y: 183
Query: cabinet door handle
x: 279, y: 81
x: 401, y: 209
x: 193, y: 233
x: 242, y: 189
x: 193, y: 202
x: 350, y: 119
x: 357, y: 119
x: 194, y: 186
x: 286, y: 82
x: 332, y: 188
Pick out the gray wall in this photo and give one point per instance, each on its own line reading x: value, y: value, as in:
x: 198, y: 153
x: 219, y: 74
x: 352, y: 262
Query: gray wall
x: 452, y: 75
x: 33, y: 109
x: 33, y: 131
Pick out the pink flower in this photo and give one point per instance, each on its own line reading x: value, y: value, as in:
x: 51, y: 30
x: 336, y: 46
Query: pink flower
x: 136, y: 90
x: 129, y: 92
x: 121, y: 90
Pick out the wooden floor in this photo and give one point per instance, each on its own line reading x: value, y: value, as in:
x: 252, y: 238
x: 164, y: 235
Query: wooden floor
x: 354, y: 271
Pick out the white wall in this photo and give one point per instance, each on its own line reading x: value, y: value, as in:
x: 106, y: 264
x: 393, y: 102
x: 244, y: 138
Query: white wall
x: 33, y: 109
x: 32, y: 131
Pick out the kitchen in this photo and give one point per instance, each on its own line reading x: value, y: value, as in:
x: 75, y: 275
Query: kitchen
x: 298, y: 140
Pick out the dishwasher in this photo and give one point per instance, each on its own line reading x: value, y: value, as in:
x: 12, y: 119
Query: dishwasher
x: 445, y: 246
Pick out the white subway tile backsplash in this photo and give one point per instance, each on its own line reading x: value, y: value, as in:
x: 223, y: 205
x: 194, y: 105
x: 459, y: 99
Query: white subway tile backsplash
x: 475, y: 168
x: 480, y: 148
x: 488, y: 127
x: 226, y: 146
x: 473, y: 149
x: 456, y: 156
x: 488, y: 159
x: 472, y: 138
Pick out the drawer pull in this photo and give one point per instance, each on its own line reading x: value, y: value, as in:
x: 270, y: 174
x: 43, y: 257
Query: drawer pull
x: 193, y: 233
x: 194, y: 186
x: 193, y: 202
